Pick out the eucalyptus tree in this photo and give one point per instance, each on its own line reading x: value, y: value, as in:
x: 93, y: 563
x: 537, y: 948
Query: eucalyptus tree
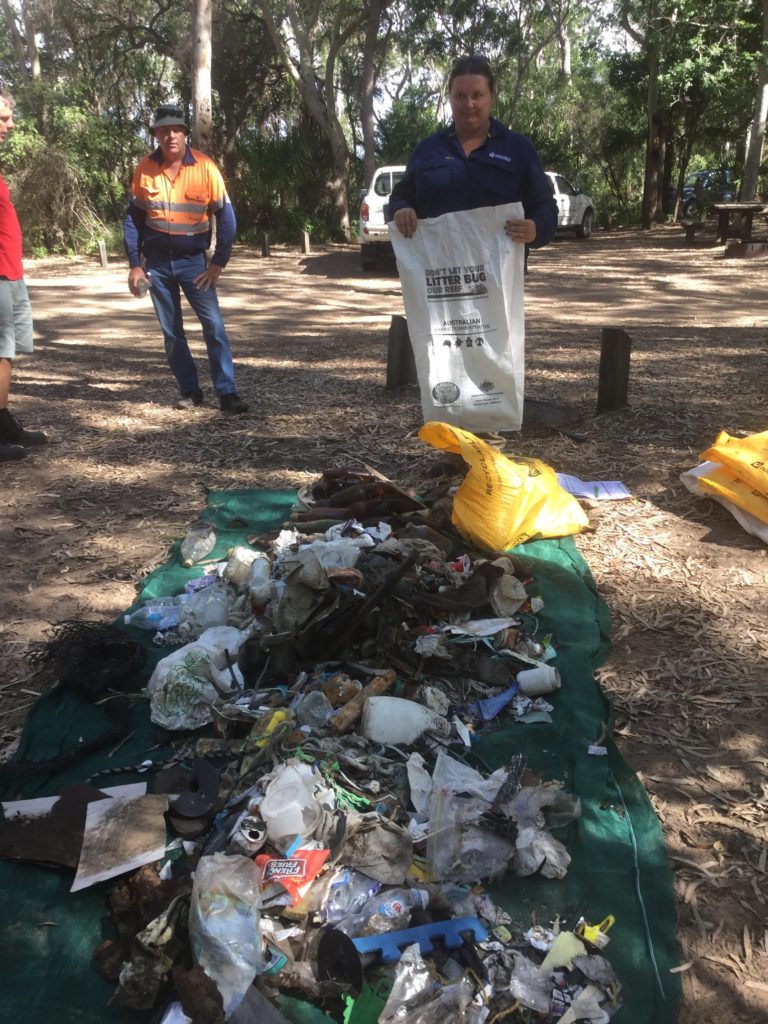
x: 698, y: 69
x: 756, y: 131
x: 309, y: 36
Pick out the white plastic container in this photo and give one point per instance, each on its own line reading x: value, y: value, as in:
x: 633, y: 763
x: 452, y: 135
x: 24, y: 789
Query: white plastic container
x: 239, y: 562
x: 535, y: 682
x: 259, y: 579
x: 289, y: 807
x: 398, y: 721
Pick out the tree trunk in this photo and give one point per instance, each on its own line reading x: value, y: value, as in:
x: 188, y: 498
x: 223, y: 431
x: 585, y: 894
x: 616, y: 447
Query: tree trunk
x: 338, y: 188
x: 16, y: 38
x: 367, y: 88
x: 202, y: 120
x: 654, y: 156
x: 756, y: 131
x: 299, y: 54
x: 32, y: 51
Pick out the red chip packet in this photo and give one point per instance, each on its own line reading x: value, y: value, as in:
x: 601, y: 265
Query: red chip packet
x: 294, y: 873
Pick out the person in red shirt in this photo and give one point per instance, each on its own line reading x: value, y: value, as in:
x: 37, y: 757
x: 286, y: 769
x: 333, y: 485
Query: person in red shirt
x: 15, y: 311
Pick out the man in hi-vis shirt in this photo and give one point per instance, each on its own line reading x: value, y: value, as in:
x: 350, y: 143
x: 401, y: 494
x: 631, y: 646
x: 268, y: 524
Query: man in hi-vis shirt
x: 176, y: 191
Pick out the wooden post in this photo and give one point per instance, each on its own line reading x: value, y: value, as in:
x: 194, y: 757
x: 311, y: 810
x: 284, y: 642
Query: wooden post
x: 401, y: 365
x: 304, y: 242
x: 613, y: 386
x: 265, y: 243
x: 103, y: 252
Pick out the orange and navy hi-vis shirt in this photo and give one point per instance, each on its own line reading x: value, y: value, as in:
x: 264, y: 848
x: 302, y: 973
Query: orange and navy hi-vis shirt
x: 174, y: 217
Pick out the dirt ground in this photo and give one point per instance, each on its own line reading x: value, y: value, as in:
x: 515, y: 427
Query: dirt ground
x: 124, y: 474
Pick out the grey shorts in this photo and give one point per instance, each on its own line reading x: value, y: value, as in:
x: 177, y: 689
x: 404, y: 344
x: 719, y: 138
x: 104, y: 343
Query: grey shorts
x: 15, y: 319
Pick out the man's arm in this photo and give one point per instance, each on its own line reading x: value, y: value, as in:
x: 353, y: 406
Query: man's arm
x: 226, y: 228
x: 133, y: 233
x: 133, y: 229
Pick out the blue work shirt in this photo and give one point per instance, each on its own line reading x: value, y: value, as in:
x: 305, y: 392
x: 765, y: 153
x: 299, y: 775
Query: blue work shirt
x: 441, y: 178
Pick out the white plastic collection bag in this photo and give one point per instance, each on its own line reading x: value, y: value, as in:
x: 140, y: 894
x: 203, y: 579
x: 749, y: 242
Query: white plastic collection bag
x: 462, y: 280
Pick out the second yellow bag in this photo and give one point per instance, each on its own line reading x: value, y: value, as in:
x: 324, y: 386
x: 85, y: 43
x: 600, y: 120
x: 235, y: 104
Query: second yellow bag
x: 502, y: 503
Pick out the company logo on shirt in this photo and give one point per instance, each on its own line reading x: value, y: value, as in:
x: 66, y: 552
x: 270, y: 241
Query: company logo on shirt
x: 500, y: 156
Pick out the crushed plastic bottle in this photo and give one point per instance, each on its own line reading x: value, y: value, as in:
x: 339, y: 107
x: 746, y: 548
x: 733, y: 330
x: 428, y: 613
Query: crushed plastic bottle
x: 199, y: 542
x: 387, y: 911
x: 158, y: 614
x: 314, y: 710
x: 205, y: 609
x: 349, y: 892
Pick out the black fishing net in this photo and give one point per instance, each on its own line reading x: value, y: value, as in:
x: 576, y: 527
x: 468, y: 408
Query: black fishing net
x: 98, y: 661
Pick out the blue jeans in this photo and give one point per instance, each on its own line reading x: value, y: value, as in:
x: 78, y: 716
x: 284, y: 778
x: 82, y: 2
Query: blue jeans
x: 171, y: 275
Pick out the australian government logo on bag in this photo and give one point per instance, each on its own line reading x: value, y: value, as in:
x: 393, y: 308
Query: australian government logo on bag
x: 462, y: 282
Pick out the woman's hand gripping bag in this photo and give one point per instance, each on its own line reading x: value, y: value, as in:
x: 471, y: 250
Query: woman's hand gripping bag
x: 501, y: 503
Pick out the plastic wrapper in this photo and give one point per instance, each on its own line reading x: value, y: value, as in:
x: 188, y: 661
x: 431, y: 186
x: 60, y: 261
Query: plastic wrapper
x: 294, y: 874
x: 537, y: 850
x: 224, y: 924
x: 456, y: 777
x: 458, y: 850
x: 413, y: 986
x: 529, y: 986
x: 537, y: 806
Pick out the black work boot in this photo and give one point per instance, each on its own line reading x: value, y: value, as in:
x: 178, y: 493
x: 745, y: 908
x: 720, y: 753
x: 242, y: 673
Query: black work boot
x: 13, y: 433
x: 233, y: 404
x: 192, y: 400
x: 11, y: 452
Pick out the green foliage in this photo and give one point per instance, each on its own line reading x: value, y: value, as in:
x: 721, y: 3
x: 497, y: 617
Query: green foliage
x: 282, y: 186
x: 409, y: 120
x: 105, y: 65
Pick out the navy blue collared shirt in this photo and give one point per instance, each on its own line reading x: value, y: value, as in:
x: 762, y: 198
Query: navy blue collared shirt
x: 440, y: 178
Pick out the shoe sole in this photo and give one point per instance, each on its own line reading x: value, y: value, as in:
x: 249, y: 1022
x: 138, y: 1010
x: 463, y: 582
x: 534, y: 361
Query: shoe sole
x: 15, y: 456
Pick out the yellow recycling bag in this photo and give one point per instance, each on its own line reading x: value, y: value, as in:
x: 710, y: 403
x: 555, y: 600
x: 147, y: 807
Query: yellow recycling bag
x: 501, y: 503
x: 736, y: 475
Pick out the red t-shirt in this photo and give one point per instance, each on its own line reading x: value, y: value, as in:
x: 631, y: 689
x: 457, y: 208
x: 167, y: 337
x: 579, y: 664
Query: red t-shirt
x: 10, y: 237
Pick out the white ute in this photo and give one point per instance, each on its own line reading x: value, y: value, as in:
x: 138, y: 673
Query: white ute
x: 574, y: 209
x: 374, y: 236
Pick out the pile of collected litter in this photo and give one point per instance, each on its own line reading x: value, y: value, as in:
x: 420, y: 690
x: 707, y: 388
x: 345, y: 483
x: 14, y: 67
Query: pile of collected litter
x: 334, y: 836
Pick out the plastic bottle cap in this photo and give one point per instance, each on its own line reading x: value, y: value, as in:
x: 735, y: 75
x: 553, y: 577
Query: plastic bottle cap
x: 423, y: 896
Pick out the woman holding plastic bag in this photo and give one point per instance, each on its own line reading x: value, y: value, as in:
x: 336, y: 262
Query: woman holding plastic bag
x: 469, y: 191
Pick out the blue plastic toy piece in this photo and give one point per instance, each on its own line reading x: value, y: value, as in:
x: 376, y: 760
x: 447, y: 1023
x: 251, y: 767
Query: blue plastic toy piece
x: 391, y: 944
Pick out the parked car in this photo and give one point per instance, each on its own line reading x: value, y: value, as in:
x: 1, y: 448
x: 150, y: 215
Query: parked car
x: 575, y: 210
x: 374, y: 237
x: 703, y: 188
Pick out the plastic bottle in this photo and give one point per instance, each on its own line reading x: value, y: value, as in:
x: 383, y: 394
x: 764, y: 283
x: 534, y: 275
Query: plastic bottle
x: 238, y: 567
x: 349, y: 892
x: 259, y: 580
x: 387, y: 911
x: 199, y: 542
x: 205, y: 609
x: 159, y: 613
x: 315, y: 710
x: 399, y: 722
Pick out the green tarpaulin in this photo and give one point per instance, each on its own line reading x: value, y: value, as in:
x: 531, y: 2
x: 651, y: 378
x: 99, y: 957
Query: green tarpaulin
x: 619, y: 864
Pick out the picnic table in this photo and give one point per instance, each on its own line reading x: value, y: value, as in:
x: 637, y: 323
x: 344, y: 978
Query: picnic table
x: 727, y: 213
